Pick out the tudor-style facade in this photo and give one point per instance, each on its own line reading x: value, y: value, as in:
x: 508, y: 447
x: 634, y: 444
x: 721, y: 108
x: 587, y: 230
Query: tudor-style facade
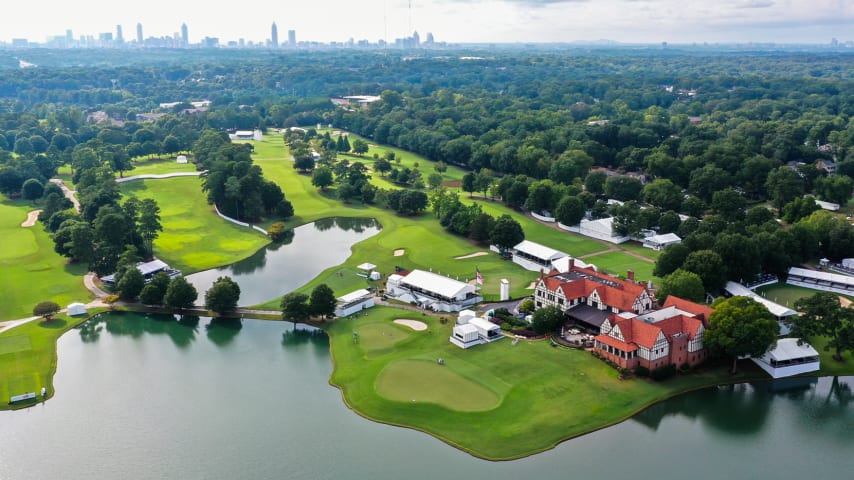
x: 589, y: 296
x: 672, y: 335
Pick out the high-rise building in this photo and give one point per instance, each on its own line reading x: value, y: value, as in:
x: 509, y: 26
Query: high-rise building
x: 185, y: 36
x: 69, y: 37
x: 292, y: 38
x: 429, y: 40
x: 274, y: 36
x: 139, y: 38
x: 119, y: 37
x: 416, y: 39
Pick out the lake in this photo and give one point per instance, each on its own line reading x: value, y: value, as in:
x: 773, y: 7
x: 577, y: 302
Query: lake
x: 283, y: 267
x: 152, y: 397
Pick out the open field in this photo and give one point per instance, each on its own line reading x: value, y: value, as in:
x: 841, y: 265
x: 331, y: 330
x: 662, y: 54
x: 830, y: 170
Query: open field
x: 159, y: 166
x: 193, y: 237
x: 617, y: 263
x: 544, y: 395
x: 786, y: 294
x: 30, y: 271
x: 28, y: 357
x: 636, y: 247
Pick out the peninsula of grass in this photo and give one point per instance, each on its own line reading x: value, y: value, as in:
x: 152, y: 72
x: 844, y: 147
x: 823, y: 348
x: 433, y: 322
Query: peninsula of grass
x: 28, y: 357
x: 495, y: 401
x: 194, y: 238
x: 30, y: 270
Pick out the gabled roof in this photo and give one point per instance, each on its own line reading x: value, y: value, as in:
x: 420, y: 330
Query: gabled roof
x: 788, y: 349
x: 696, y: 309
x: 582, y: 282
x: 608, y: 340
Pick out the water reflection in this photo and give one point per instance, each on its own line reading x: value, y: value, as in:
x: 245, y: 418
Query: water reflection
x: 221, y: 331
x: 283, y: 267
x: 300, y: 335
x: 182, y: 332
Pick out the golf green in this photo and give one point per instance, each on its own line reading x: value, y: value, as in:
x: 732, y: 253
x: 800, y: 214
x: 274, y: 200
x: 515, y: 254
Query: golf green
x: 426, y: 381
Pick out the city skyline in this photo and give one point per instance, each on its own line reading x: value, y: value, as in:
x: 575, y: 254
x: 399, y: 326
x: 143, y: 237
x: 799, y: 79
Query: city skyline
x: 457, y: 21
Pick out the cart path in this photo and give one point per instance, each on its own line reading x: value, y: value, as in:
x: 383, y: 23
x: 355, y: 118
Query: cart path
x: 69, y: 194
x: 156, y: 176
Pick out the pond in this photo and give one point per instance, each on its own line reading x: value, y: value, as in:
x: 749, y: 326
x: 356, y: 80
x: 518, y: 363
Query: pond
x: 154, y: 397
x: 285, y: 266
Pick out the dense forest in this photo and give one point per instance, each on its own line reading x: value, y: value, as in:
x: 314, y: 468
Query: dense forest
x: 737, y: 142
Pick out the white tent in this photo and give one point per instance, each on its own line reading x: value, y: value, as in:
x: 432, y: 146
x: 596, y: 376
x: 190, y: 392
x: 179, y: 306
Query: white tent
x: 76, y: 308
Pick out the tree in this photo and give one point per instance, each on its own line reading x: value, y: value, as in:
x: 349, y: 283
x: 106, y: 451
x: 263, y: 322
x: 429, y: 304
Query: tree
x: 570, y: 210
x: 547, y: 319
x: 151, y: 294
x: 131, y: 284
x: 468, y: 183
x: 835, y: 188
x: 285, y: 209
x: 623, y: 188
x: 823, y: 315
x: 799, y: 208
x: 295, y: 306
x: 411, y: 202
x: 322, y: 301
x: 180, y: 294
x: 740, y: 326
x: 783, y: 186
x: 434, y: 180
x: 149, y: 223
x: 223, y: 295
x: 709, y: 266
x: 729, y: 204
x: 595, y: 182
x: 682, y: 284
x: 663, y: 194
x: 46, y: 309
x: 670, y: 259
x: 322, y: 177
x: 507, y: 233
x: 32, y: 190
x: 480, y: 227
x: 360, y: 147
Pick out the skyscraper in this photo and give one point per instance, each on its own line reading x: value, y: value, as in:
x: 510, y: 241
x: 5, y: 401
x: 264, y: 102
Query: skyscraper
x: 292, y: 38
x: 119, y: 37
x: 274, y: 36
x: 185, y: 36
x: 139, y: 33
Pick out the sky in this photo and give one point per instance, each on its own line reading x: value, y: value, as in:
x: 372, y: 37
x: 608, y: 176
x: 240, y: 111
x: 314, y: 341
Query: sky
x: 630, y: 21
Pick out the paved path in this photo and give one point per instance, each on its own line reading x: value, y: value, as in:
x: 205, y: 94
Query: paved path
x: 158, y: 176
x: 89, y: 283
x: 69, y: 194
x: 31, y: 218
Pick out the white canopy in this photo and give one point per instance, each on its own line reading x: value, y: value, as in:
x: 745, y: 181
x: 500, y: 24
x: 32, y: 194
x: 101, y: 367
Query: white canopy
x: 737, y: 289
x: 539, y: 251
x: 366, y: 266
x: 437, y: 284
x: 788, y: 349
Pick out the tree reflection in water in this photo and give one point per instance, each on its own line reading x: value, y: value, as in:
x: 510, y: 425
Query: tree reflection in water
x: 221, y: 331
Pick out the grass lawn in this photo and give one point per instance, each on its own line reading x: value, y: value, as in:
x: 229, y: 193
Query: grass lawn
x: 786, y: 294
x: 637, y: 248
x: 194, y: 238
x: 30, y: 271
x: 617, y: 263
x: 28, y: 357
x: 518, y: 400
x: 158, y: 166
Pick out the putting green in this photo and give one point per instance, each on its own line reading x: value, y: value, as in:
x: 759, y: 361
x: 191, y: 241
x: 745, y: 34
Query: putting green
x: 422, y: 381
x: 377, y: 337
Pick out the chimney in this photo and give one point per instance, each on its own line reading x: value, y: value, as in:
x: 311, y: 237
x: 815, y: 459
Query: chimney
x: 630, y: 274
x: 571, y: 263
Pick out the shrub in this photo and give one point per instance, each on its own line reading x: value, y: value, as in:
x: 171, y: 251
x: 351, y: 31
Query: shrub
x: 663, y: 373
x: 642, y: 372
x: 278, y: 231
x: 685, y: 367
x: 506, y: 326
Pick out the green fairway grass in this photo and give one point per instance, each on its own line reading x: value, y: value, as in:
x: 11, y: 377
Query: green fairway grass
x: 425, y: 381
x: 158, y: 166
x: 544, y: 395
x: 639, y: 249
x: 787, y: 295
x: 30, y: 270
x: 376, y: 338
x: 617, y: 263
x: 194, y: 238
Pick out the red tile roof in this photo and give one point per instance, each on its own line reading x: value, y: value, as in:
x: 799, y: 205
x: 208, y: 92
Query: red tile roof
x: 607, y: 340
x: 622, y: 295
x: 702, y: 311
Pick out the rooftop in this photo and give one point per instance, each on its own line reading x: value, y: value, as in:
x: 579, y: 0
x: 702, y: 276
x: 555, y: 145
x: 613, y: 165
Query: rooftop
x: 431, y: 282
x: 788, y: 349
x: 539, y: 251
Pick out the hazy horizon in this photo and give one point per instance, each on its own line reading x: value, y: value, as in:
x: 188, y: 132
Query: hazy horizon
x: 453, y: 21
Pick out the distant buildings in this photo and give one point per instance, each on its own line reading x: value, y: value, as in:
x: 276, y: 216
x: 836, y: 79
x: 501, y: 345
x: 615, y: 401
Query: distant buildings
x: 139, y: 38
x: 292, y: 38
x: 274, y: 36
x: 185, y: 35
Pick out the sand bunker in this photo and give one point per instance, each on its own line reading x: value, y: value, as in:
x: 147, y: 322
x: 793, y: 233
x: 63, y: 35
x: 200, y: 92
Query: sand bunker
x: 31, y: 218
x: 471, y: 255
x: 532, y: 286
x: 413, y: 324
x: 399, y: 252
x: 844, y: 301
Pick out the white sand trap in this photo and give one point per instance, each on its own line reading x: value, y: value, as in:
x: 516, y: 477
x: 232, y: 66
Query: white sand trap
x: 413, y: 324
x: 31, y: 218
x: 472, y: 255
x: 844, y: 301
x: 532, y: 286
x: 399, y: 252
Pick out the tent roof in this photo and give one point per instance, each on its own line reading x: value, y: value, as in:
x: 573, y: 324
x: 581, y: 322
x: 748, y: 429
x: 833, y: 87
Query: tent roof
x: 483, y: 323
x: 353, y: 296
x: 366, y: 266
x: 788, y: 349
x: 153, y: 266
x: 431, y: 282
x: 828, y: 277
x: 737, y: 289
x: 465, y: 328
x: 665, y: 238
x: 539, y: 251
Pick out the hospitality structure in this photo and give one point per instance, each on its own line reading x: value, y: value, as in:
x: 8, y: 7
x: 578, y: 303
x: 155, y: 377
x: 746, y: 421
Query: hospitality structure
x: 432, y: 291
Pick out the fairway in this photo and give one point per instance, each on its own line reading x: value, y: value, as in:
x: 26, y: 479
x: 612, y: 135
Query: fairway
x: 618, y: 263
x: 425, y: 381
x: 376, y: 337
x: 15, y: 344
x: 194, y: 238
x: 30, y: 270
x: 158, y: 166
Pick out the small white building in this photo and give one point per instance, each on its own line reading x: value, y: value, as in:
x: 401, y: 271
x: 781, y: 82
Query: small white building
x: 181, y: 159
x: 433, y: 291
x: 255, y: 135
x: 354, y: 302
x: 488, y: 331
x: 660, y: 242
x: 465, y: 315
x: 788, y: 358
x: 602, y: 229
x: 465, y: 336
x: 535, y: 257
x: 76, y: 308
x: 829, y: 206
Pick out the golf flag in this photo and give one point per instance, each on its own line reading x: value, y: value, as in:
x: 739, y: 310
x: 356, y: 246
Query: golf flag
x: 478, y: 276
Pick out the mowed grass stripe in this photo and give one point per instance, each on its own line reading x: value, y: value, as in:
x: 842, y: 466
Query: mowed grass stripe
x: 426, y: 381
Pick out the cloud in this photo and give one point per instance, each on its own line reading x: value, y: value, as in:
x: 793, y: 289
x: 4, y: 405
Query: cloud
x: 755, y: 4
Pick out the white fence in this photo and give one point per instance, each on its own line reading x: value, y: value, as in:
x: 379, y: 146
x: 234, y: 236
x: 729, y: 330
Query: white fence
x: 543, y: 218
x: 238, y: 222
